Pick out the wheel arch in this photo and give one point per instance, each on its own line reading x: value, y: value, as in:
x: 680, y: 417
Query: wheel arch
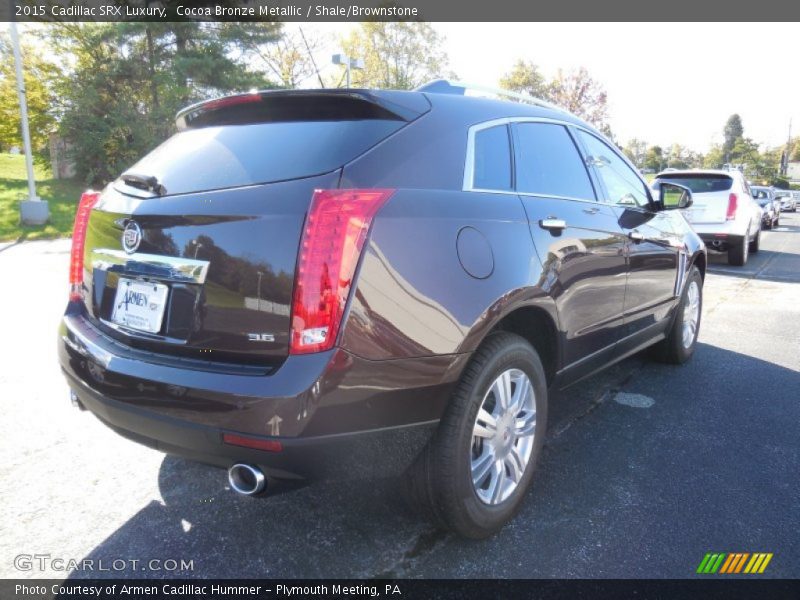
x: 701, y: 262
x: 536, y: 321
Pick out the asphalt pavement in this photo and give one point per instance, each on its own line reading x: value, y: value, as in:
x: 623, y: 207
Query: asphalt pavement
x: 647, y: 467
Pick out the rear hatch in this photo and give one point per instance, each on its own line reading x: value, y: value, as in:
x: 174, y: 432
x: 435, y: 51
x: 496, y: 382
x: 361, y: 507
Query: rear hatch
x: 192, y: 251
x: 710, y: 193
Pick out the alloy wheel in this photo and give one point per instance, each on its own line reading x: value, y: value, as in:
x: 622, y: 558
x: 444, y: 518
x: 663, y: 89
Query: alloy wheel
x: 502, y: 437
x: 691, y: 314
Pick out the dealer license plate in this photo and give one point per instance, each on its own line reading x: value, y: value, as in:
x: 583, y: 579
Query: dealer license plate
x: 140, y: 305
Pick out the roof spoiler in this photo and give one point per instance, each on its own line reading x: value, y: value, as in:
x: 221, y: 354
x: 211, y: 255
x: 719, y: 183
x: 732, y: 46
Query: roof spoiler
x: 298, y: 105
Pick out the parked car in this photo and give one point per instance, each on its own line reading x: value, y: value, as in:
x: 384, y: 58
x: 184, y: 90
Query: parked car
x: 768, y: 209
x: 788, y: 202
x: 724, y: 213
x: 341, y: 283
x: 767, y: 195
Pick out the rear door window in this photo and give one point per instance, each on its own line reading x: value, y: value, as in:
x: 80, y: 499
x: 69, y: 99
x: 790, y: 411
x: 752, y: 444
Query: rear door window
x: 548, y: 162
x: 492, y: 160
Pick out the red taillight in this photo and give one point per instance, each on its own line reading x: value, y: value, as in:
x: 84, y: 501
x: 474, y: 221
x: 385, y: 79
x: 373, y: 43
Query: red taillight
x: 249, y: 442
x: 87, y: 202
x: 230, y: 101
x: 733, y: 200
x: 336, y: 227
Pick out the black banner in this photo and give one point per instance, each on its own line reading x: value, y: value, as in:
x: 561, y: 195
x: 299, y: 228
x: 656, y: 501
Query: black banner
x: 397, y: 10
x: 545, y: 589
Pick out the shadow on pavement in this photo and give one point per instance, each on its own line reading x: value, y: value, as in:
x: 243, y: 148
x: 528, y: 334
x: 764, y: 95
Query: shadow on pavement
x: 621, y: 492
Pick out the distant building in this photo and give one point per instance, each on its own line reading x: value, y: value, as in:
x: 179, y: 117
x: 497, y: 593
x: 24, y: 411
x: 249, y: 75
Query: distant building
x: 793, y: 171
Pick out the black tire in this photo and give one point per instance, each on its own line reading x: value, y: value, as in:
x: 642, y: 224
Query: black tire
x: 776, y: 222
x: 439, y: 484
x: 755, y: 245
x: 737, y: 254
x: 672, y: 350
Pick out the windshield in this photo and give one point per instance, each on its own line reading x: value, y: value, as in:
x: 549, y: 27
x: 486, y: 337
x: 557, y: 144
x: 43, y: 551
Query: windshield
x: 759, y: 193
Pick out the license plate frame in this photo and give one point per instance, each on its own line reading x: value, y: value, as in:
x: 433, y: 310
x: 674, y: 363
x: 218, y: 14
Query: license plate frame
x: 140, y: 305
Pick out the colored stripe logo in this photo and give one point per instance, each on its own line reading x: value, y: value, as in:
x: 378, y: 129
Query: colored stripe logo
x: 734, y: 562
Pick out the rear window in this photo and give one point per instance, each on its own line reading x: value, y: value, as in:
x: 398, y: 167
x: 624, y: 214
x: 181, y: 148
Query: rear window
x: 700, y: 184
x: 228, y: 156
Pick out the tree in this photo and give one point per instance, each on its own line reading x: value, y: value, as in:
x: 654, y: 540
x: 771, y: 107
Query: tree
x: 525, y: 78
x: 715, y: 157
x: 581, y: 95
x: 636, y: 150
x: 795, y: 153
x: 289, y: 59
x: 397, y: 55
x: 732, y: 132
x: 128, y: 80
x: 574, y: 90
x: 40, y: 76
x: 655, y: 159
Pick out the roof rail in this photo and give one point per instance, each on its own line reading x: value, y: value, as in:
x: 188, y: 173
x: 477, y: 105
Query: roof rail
x: 459, y: 88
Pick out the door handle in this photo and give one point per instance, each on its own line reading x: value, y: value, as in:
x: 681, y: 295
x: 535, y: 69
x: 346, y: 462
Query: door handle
x: 553, y: 224
x: 636, y: 236
x: 591, y: 211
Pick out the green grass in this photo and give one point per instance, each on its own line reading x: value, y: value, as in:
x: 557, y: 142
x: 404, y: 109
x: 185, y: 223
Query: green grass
x: 62, y: 195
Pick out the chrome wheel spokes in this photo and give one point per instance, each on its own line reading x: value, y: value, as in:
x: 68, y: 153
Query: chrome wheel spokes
x: 502, y: 436
x: 691, y: 314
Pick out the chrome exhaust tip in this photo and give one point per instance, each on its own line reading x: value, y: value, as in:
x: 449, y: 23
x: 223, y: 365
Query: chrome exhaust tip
x: 75, y: 401
x: 246, y: 479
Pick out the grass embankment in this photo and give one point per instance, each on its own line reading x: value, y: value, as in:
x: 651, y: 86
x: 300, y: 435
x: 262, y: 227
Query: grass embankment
x: 61, y: 194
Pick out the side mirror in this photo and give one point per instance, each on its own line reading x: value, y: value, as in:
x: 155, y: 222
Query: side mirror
x: 673, y: 195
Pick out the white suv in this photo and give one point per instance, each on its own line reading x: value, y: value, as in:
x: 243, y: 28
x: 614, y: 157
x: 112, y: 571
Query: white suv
x: 723, y: 213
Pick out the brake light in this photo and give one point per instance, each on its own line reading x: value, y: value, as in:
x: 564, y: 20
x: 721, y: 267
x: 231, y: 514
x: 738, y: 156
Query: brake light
x: 336, y: 228
x: 230, y: 101
x: 732, y: 203
x: 87, y: 202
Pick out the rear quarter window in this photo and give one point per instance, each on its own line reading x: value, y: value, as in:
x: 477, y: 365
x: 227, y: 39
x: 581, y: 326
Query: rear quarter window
x: 492, y: 160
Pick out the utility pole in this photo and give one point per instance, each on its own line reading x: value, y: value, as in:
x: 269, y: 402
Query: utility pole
x: 33, y: 211
x: 787, y: 154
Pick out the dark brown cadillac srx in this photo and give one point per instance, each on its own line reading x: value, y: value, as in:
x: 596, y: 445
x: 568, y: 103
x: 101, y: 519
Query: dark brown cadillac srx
x: 316, y: 283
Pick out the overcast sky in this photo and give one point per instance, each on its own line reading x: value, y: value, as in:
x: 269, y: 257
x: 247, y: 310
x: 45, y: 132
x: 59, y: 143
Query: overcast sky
x: 666, y: 82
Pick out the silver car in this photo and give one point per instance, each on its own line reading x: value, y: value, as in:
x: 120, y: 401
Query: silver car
x: 788, y: 201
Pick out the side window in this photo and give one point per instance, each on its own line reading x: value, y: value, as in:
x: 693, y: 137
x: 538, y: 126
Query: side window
x: 623, y: 185
x: 548, y: 162
x: 492, y: 160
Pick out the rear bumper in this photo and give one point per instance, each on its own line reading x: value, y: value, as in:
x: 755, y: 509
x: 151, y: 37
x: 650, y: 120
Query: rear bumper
x: 335, y: 415
x: 720, y: 241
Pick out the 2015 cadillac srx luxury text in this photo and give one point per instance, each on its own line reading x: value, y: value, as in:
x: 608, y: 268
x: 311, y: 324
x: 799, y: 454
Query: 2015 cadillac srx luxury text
x: 349, y: 283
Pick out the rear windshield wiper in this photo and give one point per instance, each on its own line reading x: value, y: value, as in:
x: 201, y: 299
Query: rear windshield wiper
x: 144, y: 182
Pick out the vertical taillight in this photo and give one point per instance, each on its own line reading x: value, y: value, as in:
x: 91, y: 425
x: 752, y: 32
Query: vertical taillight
x: 87, y: 202
x: 733, y: 200
x: 336, y: 227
